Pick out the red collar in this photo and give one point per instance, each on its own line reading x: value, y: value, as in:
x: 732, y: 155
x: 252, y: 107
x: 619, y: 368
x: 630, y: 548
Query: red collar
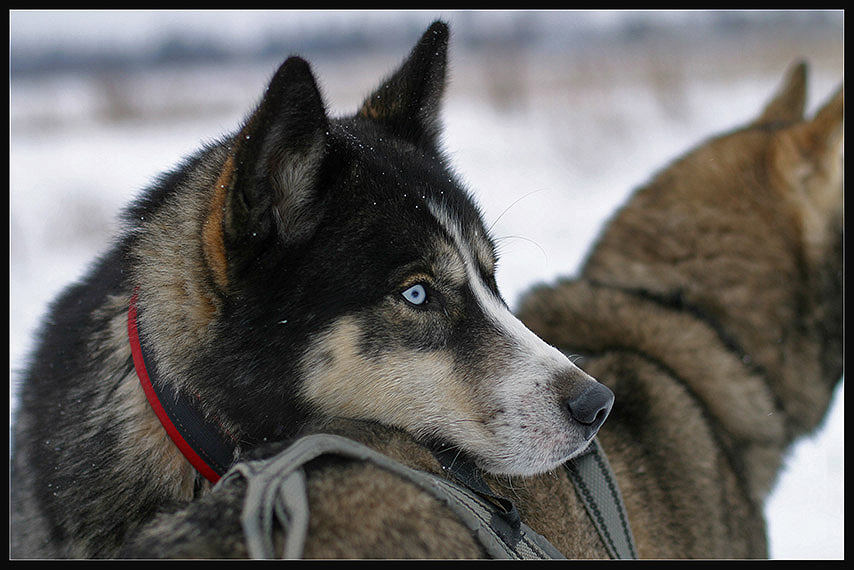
x: 209, y: 449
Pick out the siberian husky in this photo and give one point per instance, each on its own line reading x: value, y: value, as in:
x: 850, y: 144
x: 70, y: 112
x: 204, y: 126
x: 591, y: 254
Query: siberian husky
x: 305, y: 267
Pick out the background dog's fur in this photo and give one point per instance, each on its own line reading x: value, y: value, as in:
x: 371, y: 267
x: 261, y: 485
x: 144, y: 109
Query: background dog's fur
x: 711, y: 305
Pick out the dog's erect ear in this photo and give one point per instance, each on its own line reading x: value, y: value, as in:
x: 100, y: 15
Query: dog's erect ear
x: 821, y: 138
x: 267, y: 186
x: 808, y: 155
x: 814, y: 147
x: 787, y: 104
x: 407, y: 103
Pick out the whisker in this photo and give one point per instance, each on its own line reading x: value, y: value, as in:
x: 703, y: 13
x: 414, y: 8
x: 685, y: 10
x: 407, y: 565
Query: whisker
x: 511, y: 486
x: 516, y: 201
x: 454, y: 460
x: 543, y: 251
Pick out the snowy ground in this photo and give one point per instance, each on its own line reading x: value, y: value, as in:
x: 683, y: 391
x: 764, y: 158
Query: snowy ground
x: 550, y: 143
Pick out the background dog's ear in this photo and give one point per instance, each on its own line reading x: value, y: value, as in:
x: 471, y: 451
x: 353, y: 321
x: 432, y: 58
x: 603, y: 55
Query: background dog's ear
x: 813, y: 148
x: 821, y: 138
x: 266, y: 190
x: 808, y: 155
x: 408, y: 102
x: 787, y: 104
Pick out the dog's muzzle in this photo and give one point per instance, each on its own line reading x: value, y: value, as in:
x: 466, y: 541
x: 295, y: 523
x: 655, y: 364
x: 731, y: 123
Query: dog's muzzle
x: 591, y: 407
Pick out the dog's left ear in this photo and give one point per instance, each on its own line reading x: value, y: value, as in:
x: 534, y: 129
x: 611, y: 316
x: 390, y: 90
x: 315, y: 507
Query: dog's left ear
x: 787, y: 104
x: 820, y: 139
x: 811, y: 151
x: 407, y: 103
x: 808, y: 156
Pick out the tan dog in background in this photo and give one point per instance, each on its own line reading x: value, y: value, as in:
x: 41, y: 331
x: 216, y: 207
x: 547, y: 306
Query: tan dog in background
x: 712, y: 307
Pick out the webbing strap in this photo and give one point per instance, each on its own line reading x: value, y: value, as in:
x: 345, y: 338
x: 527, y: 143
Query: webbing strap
x: 597, y: 488
x: 276, y: 492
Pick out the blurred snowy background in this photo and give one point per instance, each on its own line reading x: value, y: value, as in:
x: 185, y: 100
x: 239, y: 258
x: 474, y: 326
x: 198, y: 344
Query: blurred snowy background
x: 552, y: 118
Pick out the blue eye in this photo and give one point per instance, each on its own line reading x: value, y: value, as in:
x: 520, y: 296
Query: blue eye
x: 416, y: 294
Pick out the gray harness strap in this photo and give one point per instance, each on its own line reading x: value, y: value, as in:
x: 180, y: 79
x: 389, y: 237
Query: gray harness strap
x: 597, y: 488
x: 276, y: 494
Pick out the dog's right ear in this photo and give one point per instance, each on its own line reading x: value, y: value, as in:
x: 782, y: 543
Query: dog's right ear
x: 787, y: 104
x: 407, y: 103
x: 809, y: 157
x: 265, y: 193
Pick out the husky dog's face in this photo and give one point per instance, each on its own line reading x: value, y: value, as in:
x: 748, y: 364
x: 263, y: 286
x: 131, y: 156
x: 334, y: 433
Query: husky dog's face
x: 426, y: 343
x: 359, y: 281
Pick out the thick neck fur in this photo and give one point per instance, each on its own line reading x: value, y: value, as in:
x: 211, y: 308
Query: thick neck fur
x: 735, y: 395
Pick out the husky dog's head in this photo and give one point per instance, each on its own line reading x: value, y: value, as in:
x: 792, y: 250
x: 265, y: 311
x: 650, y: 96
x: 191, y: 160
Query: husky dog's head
x: 345, y: 272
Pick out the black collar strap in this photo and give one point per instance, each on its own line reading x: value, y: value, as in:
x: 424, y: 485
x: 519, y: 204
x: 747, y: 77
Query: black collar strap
x: 209, y: 449
x: 506, y: 520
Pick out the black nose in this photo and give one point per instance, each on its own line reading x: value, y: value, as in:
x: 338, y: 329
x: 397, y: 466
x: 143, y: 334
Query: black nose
x: 592, y: 406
